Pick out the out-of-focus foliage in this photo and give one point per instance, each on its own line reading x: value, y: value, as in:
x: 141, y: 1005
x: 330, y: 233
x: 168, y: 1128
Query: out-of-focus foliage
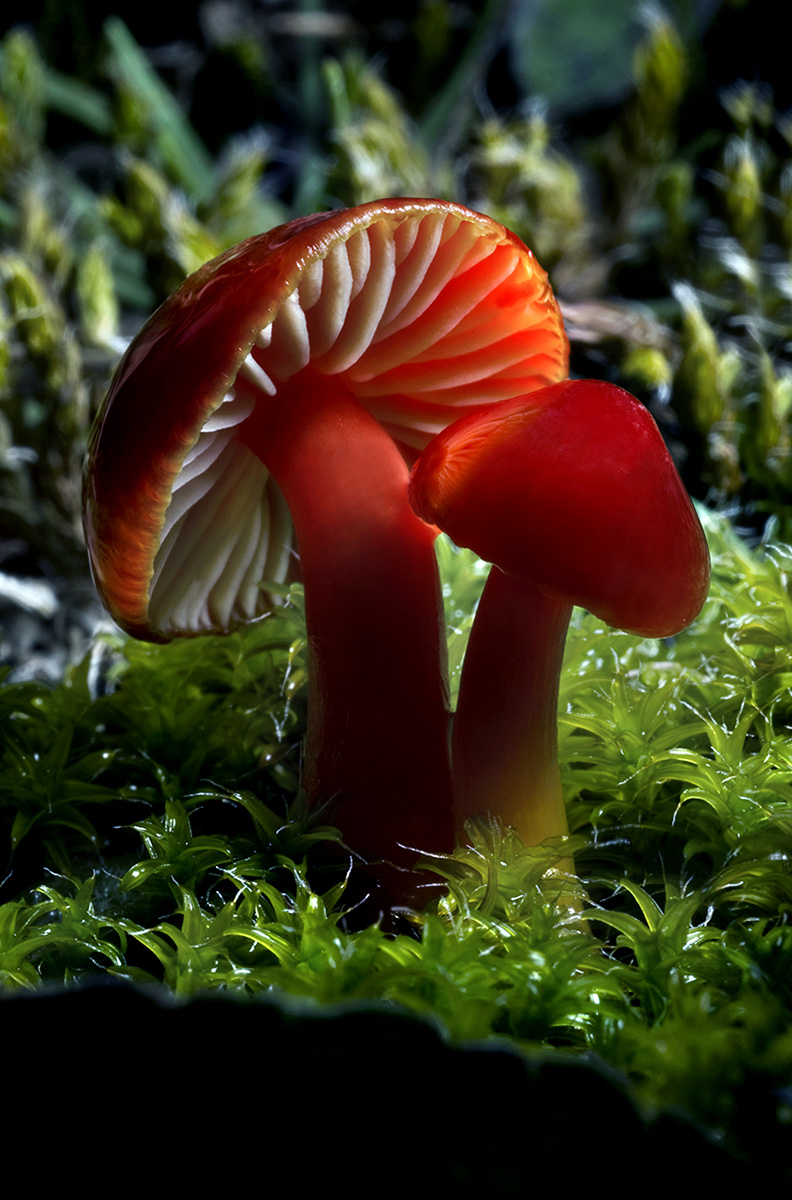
x: 668, y: 239
x: 80, y: 263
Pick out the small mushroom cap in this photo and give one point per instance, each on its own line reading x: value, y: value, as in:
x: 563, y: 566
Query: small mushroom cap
x: 573, y: 488
x: 423, y: 309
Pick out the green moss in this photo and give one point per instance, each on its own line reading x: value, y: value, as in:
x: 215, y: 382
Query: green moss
x: 138, y: 854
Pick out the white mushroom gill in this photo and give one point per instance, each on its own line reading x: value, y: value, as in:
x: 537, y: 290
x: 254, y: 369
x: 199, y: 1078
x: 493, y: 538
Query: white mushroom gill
x: 416, y: 310
x: 228, y: 523
x: 423, y: 314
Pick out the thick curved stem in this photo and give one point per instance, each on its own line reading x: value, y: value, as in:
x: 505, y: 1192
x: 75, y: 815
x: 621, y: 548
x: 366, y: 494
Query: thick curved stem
x: 377, y: 740
x: 505, y: 739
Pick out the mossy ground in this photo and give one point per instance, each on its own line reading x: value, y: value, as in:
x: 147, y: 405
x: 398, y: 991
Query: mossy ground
x: 158, y: 836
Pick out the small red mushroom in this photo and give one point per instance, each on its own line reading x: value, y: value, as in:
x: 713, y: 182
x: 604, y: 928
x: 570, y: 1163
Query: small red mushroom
x: 572, y: 495
x: 291, y: 380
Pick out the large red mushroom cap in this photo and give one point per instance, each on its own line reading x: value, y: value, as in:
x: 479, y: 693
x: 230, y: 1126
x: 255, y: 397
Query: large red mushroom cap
x: 418, y: 309
x: 573, y: 489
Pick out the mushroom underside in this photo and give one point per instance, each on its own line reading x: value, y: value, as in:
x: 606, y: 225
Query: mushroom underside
x: 423, y: 318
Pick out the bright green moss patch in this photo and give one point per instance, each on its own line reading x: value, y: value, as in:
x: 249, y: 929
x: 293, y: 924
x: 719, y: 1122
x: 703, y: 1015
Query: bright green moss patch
x: 157, y: 835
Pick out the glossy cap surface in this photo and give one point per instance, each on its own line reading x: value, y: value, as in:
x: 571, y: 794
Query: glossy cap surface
x: 573, y: 488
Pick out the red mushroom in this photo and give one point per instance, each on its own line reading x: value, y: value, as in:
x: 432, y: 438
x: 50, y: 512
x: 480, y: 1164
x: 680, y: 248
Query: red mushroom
x: 573, y: 496
x: 291, y: 379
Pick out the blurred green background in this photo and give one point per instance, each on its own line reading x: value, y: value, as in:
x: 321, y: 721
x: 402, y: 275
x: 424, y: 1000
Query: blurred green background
x: 642, y: 152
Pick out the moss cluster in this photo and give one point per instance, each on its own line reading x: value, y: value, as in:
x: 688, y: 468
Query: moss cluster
x: 158, y: 836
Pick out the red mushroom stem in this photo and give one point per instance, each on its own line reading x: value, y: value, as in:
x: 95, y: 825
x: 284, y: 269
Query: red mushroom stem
x: 504, y: 750
x: 378, y: 712
x: 572, y: 493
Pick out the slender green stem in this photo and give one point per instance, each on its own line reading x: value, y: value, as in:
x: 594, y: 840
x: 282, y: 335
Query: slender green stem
x: 451, y: 106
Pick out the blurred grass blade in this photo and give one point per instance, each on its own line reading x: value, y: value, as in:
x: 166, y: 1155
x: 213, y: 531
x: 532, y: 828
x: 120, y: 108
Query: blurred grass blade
x: 78, y: 101
x: 449, y: 109
x: 183, y: 152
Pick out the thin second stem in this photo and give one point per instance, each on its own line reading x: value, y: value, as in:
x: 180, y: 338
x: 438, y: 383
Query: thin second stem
x: 505, y: 739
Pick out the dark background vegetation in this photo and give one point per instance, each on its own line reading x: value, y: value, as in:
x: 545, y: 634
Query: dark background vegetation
x: 647, y: 169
